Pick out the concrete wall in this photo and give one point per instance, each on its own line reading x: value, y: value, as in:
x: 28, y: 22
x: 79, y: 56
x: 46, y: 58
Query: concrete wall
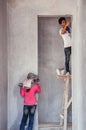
x: 50, y: 56
x: 83, y: 33
x: 3, y: 67
x: 23, y: 45
x: 79, y: 80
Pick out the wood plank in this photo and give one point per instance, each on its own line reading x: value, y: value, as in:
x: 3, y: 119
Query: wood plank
x: 64, y: 76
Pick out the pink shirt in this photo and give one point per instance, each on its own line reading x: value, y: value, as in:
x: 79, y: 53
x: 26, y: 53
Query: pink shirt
x: 30, y: 97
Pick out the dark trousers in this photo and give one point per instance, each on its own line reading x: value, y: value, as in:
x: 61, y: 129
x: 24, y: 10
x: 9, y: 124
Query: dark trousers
x: 67, y: 58
x: 28, y: 111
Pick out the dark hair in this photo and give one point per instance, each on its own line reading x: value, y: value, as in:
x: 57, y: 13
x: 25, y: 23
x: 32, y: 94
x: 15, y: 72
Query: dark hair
x: 61, y: 19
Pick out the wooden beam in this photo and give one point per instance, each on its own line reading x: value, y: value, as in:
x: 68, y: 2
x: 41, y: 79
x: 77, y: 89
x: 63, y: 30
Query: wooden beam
x: 64, y: 76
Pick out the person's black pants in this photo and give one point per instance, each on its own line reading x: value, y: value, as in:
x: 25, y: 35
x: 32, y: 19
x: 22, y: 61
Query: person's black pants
x: 67, y: 58
x: 28, y: 111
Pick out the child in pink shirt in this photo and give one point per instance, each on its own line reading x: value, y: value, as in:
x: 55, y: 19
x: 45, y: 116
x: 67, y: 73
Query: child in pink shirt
x: 28, y: 90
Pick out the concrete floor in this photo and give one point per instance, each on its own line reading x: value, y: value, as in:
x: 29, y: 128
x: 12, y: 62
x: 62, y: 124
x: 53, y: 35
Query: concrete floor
x: 53, y: 126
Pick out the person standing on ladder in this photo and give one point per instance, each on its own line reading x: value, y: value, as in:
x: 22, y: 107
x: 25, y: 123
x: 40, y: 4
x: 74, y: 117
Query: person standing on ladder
x: 65, y: 33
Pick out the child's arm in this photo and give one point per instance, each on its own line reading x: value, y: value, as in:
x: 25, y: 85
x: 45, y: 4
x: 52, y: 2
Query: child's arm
x: 64, y: 29
x: 22, y: 91
x: 38, y: 89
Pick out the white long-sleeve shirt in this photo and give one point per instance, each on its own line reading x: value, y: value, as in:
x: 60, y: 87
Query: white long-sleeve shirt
x: 66, y: 38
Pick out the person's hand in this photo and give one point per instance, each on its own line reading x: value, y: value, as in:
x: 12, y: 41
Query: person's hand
x: 20, y: 84
x: 67, y: 24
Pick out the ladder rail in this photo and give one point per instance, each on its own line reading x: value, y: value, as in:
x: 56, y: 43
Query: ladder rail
x: 66, y: 103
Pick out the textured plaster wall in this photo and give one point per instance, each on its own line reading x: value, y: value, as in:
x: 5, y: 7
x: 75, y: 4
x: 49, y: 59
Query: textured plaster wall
x: 23, y: 45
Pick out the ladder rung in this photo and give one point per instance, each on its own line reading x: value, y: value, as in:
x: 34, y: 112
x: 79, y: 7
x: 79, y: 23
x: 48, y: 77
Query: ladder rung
x: 64, y: 76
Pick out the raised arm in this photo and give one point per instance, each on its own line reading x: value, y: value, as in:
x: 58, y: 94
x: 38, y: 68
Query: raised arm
x: 38, y: 89
x: 22, y: 91
x: 64, y: 28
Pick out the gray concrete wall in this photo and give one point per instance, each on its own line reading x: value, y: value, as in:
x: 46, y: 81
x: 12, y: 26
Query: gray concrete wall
x: 79, y: 75
x: 83, y: 33
x: 3, y: 67
x: 23, y: 45
x: 50, y: 56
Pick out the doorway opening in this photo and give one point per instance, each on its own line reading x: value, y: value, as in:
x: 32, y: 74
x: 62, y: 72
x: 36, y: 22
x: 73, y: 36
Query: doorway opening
x: 50, y: 57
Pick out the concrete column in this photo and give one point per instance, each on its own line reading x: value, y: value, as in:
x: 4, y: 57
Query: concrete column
x: 79, y: 67
x: 83, y: 32
x: 3, y: 66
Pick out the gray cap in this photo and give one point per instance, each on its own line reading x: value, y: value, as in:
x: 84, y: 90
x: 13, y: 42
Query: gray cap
x: 32, y: 76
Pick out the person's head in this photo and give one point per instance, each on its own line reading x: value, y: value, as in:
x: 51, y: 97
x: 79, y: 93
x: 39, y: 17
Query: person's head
x: 34, y: 77
x: 62, y: 21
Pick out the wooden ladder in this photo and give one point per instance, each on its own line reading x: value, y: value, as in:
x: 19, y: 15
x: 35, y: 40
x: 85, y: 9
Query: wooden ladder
x: 66, y: 101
